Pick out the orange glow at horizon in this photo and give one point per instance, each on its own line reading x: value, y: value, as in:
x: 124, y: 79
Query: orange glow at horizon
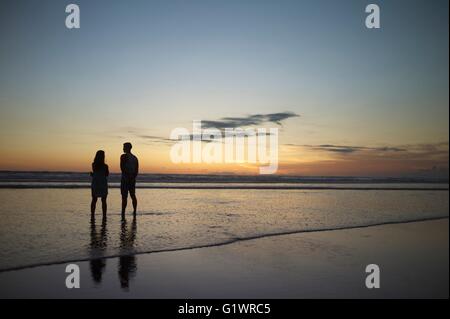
x: 157, y: 161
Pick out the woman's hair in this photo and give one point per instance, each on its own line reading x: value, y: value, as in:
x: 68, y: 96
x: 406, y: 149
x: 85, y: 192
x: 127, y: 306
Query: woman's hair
x: 99, y: 160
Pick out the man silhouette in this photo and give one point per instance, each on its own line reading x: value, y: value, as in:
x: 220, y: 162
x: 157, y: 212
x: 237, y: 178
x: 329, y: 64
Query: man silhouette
x: 129, y: 165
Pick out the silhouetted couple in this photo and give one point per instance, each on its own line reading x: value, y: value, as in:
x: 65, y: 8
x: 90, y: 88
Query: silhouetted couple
x: 129, y: 165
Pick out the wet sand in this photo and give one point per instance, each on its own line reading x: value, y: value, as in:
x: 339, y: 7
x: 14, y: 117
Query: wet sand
x: 413, y: 260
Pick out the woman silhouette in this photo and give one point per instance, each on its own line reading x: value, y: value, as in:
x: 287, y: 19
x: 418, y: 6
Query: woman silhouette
x: 99, y: 185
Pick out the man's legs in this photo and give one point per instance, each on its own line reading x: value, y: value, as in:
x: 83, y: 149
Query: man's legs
x: 124, y: 204
x: 128, y: 186
x: 134, y: 200
x: 132, y: 189
x: 124, y: 192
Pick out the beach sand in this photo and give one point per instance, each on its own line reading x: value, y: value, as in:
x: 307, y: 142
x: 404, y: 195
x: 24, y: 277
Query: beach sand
x: 413, y: 260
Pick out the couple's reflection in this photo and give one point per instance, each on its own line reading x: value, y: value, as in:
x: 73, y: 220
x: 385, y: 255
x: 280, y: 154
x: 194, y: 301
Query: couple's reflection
x: 98, y: 246
x: 127, y: 262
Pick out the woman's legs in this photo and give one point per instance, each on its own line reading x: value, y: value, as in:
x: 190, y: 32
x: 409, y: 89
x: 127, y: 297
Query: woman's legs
x: 93, y: 204
x: 104, y: 206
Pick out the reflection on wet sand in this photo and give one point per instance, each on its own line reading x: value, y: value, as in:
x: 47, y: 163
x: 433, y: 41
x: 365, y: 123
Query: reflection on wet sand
x: 127, y: 262
x: 97, y: 247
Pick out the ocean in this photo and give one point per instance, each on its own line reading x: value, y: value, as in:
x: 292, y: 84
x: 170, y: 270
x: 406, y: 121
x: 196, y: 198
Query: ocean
x: 46, y: 216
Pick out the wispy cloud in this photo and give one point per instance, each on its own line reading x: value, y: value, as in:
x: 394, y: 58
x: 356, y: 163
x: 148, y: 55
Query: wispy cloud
x: 221, y: 124
x: 350, y: 148
x: 236, y: 133
x: 155, y: 139
x: 249, y: 120
x: 408, y: 151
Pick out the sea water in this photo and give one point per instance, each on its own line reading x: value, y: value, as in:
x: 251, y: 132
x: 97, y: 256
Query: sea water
x: 44, y: 226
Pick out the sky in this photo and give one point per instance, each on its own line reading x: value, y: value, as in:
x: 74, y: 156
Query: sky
x: 364, y: 102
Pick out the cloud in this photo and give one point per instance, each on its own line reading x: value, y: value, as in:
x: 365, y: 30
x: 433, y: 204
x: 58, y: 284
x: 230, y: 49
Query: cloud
x: 250, y: 120
x: 436, y: 151
x: 156, y: 139
x: 426, y: 159
x: 346, y: 149
x: 221, y: 125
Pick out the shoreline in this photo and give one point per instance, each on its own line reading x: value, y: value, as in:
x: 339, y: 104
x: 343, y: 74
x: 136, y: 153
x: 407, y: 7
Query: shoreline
x: 413, y: 258
x: 230, y: 242
x: 227, y: 187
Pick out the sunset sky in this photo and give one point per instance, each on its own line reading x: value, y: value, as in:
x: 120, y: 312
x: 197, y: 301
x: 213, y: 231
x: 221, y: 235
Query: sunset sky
x: 366, y: 102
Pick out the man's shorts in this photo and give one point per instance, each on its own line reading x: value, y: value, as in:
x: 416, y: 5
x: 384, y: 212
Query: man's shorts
x: 127, y: 185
